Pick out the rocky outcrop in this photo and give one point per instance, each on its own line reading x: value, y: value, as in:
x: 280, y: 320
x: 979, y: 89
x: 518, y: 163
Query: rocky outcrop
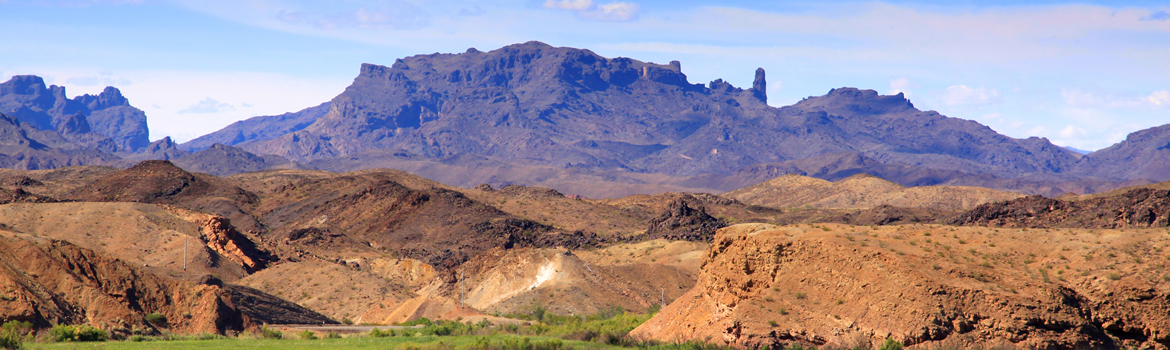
x: 681, y: 221
x: 218, y: 234
x: 761, y: 285
x: 163, y: 149
x: 1142, y: 207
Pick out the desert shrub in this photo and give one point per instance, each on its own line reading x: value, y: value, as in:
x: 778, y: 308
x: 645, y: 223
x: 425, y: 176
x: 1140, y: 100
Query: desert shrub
x: 156, y: 319
x: 308, y: 335
x: 332, y: 335
x: 269, y: 333
x: 10, y: 341
x: 13, y: 333
x: 421, y: 321
x: 378, y: 333
x: 206, y: 336
x: 891, y: 344
x: 138, y: 338
x: 64, y: 333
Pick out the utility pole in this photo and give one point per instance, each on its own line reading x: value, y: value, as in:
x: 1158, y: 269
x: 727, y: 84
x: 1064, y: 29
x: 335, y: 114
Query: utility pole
x: 663, y: 304
x: 184, y: 252
x: 462, y: 290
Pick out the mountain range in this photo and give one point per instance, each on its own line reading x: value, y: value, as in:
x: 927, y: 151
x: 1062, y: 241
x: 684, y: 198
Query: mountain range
x: 536, y: 114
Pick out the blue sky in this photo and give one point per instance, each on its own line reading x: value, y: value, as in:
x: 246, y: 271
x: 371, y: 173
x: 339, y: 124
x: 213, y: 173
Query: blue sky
x: 1082, y: 74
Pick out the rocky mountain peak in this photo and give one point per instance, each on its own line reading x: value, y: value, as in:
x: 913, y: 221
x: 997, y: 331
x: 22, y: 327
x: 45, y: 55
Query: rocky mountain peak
x: 23, y: 85
x: 109, y: 97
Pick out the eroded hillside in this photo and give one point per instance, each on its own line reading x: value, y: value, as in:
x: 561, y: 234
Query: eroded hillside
x: 925, y: 284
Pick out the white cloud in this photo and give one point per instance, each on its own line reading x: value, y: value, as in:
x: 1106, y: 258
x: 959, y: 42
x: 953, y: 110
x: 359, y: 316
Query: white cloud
x: 208, y: 105
x: 1072, y: 131
x: 902, y: 85
x: 1159, y: 98
x: 964, y: 95
x: 613, y: 12
x: 574, y: 5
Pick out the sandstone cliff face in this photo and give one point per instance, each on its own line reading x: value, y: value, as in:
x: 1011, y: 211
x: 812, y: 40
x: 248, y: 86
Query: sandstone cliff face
x: 766, y: 285
x: 54, y: 282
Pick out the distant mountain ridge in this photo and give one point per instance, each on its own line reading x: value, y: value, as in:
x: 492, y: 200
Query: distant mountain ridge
x: 46, y: 107
x: 532, y: 107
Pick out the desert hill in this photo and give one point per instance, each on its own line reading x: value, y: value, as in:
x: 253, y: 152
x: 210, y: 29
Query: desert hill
x: 860, y: 192
x: 47, y: 281
x: 147, y: 235
x: 847, y: 286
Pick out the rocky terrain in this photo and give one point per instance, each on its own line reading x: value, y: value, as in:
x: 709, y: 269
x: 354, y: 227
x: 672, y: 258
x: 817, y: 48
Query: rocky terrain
x: 1133, y: 208
x: 861, y: 192
x: 932, y: 286
x: 48, y: 281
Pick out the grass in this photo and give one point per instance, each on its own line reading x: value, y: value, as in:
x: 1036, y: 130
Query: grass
x: 420, y: 343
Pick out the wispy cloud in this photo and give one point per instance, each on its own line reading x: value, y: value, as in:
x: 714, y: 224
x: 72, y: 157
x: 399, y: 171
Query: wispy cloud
x: 900, y: 85
x: 1081, y: 99
x: 207, y: 106
x: 99, y: 81
x: 392, y: 14
x: 614, y: 11
x: 1157, y: 16
x: 964, y: 95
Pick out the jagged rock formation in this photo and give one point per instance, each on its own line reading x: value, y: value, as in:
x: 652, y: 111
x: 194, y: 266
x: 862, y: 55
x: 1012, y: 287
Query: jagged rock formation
x: 162, y: 149
x: 680, y: 221
x: 1140, y: 207
x: 46, y: 107
x: 762, y: 285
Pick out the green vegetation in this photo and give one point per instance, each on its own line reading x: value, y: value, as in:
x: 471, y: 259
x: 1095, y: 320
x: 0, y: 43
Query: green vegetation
x: 156, y: 319
x: 82, y: 333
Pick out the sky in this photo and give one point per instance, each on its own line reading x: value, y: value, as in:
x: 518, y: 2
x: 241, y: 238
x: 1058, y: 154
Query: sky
x: 1082, y: 74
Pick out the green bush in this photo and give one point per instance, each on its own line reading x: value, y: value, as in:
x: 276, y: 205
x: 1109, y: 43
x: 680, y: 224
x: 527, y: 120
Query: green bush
x: 891, y: 344
x: 156, y: 319
x: 308, y: 335
x: 269, y: 333
x: 13, y: 333
x: 9, y: 341
x: 377, y: 333
x: 64, y: 333
x: 332, y: 335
